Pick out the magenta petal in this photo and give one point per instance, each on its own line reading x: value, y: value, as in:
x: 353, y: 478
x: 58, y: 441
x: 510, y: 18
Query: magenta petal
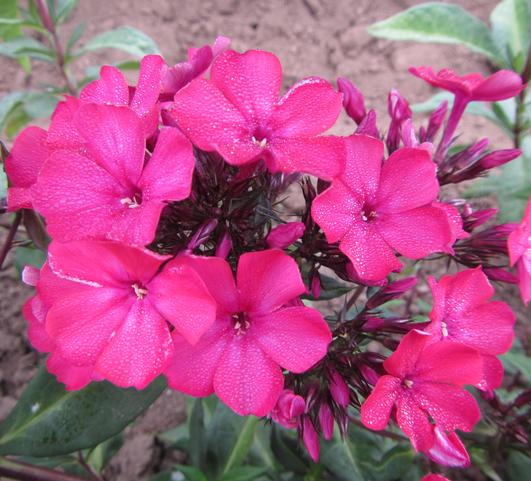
x: 35, y: 313
x: 62, y: 133
x: 96, y: 263
x: 110, y: 89
x: 403, y: 361
x: 308, y: 108
x: 322, y: 156
x: 78, y: 198
x: 414, y: 423
x: 369, y: 253
x: 250, y: 81
x: 492, y: 373
x: 450, y: 407
x: 335, y: 209
x: 82, y: 324
x: 501, y: 85
x: 115, y: 137
x: 310, y: 439
x: 416, y: 233
x: 182, y: 298
x: 191, y: 368
x: 363, y: 166
x: 295, y: 337
x: 168, y: 174
x: 139, y: 350
x: 73, y: 377
x: 267, y: 280
x: 246, y: 379
x: 376, y: 410
x: 448, y: 450
x: 217, y: 275
x: 408, y: 180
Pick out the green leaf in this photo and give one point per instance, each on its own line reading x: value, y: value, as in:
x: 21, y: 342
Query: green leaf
x: 127, y: 39
x: 191, y: 473
x: 511, y: 29
x: 440, y: 23
x: 341, y: 459
x: 28, y: 256
x: 9, y: 23
x: 243, y: 473
x: 63, y: 10
x: 23, y: 46
x: 198, y: 446
x: 40, y: 105
x: 101, y: 455
x: 518, y: 466
x: 242, y: 445
x: 50, y: 421
x: 288, y: 451
x: 8, y: 104
x: 518, y: 361
x: 3, y: 184
x: 74, y: 38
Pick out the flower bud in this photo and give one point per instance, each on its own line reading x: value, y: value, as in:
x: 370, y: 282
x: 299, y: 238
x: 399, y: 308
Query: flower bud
x: 224, y: 246
x: 368, y: 125
x: 391, y: 291
x: 399, y: 111
x: 202, y: 234
x: 448, y: 450
x: 500, y: 275
x: 436, y: 120
x: 338, y: 388
x: 284, y: 235
x: 370, y: 375
x: 316, y: 285
x: 353, y: 100
x: 310, y: 438
x: 288, y: 409
x: 326, y: 421
x: 498, y: 157
x: 473, y: 219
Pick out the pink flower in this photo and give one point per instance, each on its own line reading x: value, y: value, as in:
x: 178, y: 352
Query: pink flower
x: 22, y: 166
x: 108, y: 190
x: 112, y: 89
x: 288, y: 409
x: 434, y: 477
x: 373, y: 210
x: 462, y: 313
x: 501, y: 85
x: 284, y: 235
x: 255, y: 333
x: 109, y: 309
x: 448, y: 450
x: 425, y: 381
x: 199, y: 60
x: 238, y: 114
x: 519, y: 244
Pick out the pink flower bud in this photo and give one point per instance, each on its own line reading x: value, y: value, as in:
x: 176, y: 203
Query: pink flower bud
x: 500, y: 275
x: 353, y: 100
x: 370, y: 375
x: 368, y: 125
x: 448, y: 450
x: 499, y: 157
x: 202, y: 234
x: 436, y: 120
x: 338, y: 388
x: 284, y: 235
x: 316, y: 285
x: 310, y: 439
x: 473, y: 219
x: 288, y: 409
x: 408, y: 134
x: 224, y: 246
x: 326, y: 421
x: 391, y: 291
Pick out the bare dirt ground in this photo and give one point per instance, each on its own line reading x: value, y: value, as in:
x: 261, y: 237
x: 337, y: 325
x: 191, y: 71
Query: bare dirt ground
x: 311, y: 37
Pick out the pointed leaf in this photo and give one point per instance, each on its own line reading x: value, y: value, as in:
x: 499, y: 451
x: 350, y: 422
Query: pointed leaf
x: 127, y: 39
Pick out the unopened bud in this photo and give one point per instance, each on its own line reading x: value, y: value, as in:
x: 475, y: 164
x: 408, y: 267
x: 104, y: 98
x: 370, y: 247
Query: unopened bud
x: 326, y: 421
x: 499, y: 157
x: 338, y: 388
x: 284, y: 235
x: 353, y: 100
x: 288, y: 409
x: 310, y: 438
x: 224, y: 246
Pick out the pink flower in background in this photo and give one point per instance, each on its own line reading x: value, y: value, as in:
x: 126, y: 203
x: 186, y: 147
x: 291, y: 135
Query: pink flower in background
x: 519, y: 244
x: 374, y: 210
x: 109, y: 309
x: 112, y: 89
x: 23, y: 164
x: 288, y: 409
x: 425, y: 381
x: 199, y: 60
x: 108, y: 190
x: 255, y: 333
x: 501, y: 85
x: 463, y: 313
x: 434, y: 477
x: 238, y: 114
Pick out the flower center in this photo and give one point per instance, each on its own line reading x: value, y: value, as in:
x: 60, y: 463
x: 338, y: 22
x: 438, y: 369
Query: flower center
x: 140, y: 290
x: 132, y: 202
x: 241, y: 323
x: 260, y: 136
x: 444, y: 329
x: 367, y: 214
x: 408, y: 383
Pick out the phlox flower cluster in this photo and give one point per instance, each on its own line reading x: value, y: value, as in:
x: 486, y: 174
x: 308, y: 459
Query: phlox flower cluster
x: 170, y: 255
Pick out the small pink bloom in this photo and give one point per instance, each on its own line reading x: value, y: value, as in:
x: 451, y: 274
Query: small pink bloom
x: 112, y: 89
x: 23, y: 164
x: 310, y: 439
x: 353, y: 100
x: 463, y: 313
x: 199, y: 60
x: 255, y: 333
x: 108, y: 309
x: 108, y: 190
x: 501, y: 85
x: 373, y: 210
x: 434, y: 477
x: 326, y: 421
x: 425, y: 381
x: 288, y: 409
x: 448, y: 450
x: 284, y: 235
x: 338, y: 388
x: 519, y: 244
x: 238, y: 114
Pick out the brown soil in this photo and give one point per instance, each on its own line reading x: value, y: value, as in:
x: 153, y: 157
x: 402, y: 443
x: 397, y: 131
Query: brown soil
x: 311, y: 37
